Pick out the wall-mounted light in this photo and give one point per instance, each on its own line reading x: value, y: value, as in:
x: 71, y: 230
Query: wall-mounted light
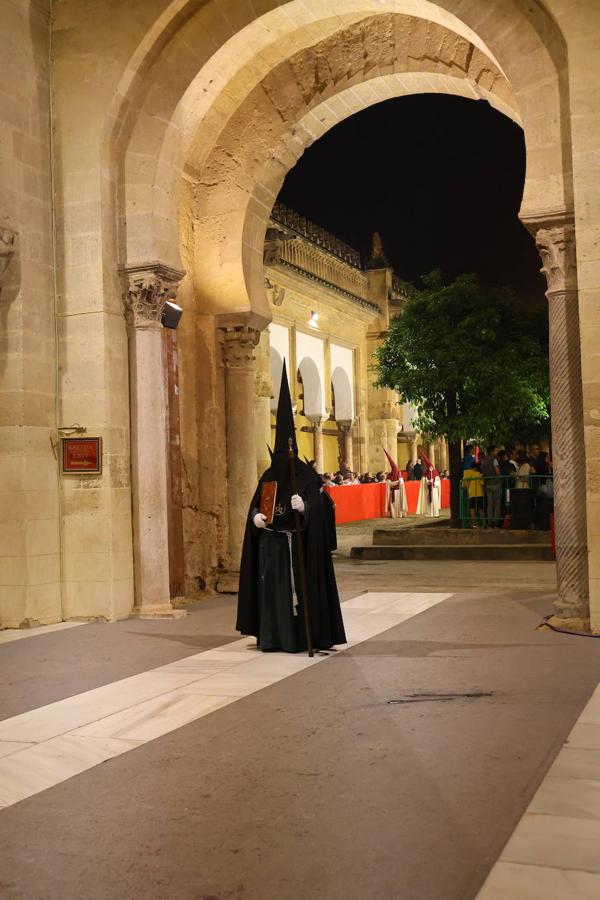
x: 314, y: 318
x: 171, y: 314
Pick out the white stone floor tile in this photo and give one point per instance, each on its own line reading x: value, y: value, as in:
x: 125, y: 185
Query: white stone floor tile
x: 570, y: 797
x: 573, y: 762
x: 153, y: 718
x: 584, y: 736
x: 8, y: 747
x: 278, y: 665
x: 556, y: 841
x: 43, y: 765
x: 17, y: 634
x: 195, y: 665
x: 591, y: 713
x: 73, y: 712
x: 239, y: 654
x: 231, y: 684
x: 372, y: 599
x: 48, y: 745
x: 554, y: 852
x: 511, y: 881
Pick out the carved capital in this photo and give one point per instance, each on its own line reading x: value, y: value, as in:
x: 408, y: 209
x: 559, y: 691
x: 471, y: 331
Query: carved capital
x: 239, y: 342
x: 8, y: 248
x: 345, y: 425
x: 556, y: 247
x: 317, y: 422
x: 145, y: 292
x: 554, y: 235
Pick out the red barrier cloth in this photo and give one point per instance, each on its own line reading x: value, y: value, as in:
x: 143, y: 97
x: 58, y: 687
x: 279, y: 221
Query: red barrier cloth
x: 445, y: 499
x: 354, y: 502
x: 412, y: 496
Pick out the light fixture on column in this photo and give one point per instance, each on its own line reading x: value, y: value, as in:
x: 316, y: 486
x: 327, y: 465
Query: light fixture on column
x: 171, y: 315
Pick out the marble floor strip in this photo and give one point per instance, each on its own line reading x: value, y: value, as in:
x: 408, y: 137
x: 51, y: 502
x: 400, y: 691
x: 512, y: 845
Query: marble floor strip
x: 45, y: 746
x: 17, y: 634
x: 554, y: 852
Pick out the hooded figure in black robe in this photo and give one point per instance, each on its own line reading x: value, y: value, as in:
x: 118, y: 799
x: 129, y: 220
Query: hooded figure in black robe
x: 270, y: 601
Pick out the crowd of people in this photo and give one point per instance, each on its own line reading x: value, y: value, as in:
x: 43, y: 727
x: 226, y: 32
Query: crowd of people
x: 345, y: 475
x: 509, y: 484
x: 338, y: 479
x: 430, y: 492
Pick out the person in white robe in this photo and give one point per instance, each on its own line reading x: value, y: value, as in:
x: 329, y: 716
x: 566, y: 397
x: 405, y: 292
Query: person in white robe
x: 398, y: 504
x: 430, y: 494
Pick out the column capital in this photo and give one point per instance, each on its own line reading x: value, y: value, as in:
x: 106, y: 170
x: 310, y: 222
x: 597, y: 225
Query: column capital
x: 554, y: 235
x: 8, y: 248
x: 146, y: 289
x: 345, y: 425
x: 318, y: 421
x: 238, y: 342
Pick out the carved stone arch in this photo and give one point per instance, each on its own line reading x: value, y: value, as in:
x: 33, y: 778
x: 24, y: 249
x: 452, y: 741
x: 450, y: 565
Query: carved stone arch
x: 312, y: 388
x: 168, y: 96
x: 344, y: 401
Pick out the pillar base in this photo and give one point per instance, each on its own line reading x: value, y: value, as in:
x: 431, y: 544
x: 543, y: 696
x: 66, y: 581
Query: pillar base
x: 157, y: 611
x: 570, y: 624
x: 228, y: 583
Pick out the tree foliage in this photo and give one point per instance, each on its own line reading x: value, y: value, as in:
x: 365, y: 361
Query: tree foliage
x: 470, y: 361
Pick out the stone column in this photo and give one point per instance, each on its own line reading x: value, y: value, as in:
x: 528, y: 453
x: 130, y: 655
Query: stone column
x: 148, y: 288
x: 431, y: 453
x: 239, y: 342
x: 263, y: 390
x: 414, y: 449
x: 345, y: 428
x: 555, y: 240
x: 443, y: 454
x: 317, y: 423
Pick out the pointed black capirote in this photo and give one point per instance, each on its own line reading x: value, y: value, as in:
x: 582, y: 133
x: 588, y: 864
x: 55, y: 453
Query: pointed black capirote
x: 284, y: 426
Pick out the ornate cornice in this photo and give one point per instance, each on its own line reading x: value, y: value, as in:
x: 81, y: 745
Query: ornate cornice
x: 8, y: 248
x: 360, y: 301
x: 299, y: 225
x: 239, y: 342
x: 146, y: 290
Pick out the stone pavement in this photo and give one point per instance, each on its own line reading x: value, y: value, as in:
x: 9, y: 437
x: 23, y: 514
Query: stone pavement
x: 316, y: 783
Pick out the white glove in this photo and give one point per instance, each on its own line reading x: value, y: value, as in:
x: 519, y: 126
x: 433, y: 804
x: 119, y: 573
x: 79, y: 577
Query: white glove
x: 260, y: 521
x: 298, y: 503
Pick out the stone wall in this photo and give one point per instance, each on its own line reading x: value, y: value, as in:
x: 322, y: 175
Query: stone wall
x: 29, y: 509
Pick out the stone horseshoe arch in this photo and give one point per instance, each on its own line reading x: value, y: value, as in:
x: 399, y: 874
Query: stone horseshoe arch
x: 312, y: 388
x: 344, y: 401
x: 172, y: 109
x: 199, y: 142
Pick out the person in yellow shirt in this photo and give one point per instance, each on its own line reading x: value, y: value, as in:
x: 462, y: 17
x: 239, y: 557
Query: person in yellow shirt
x: 473, y: 482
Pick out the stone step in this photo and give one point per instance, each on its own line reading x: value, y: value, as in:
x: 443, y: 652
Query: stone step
x: 455, y: 552
x: 406, y: 537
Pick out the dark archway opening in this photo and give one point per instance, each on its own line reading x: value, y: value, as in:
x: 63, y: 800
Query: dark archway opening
x: 439, y: 177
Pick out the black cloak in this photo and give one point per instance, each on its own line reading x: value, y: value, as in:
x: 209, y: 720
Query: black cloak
x: 325, y: 616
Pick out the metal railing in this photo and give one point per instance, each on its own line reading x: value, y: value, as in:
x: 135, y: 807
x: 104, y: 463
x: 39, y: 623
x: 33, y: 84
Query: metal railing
x: 506, y: 501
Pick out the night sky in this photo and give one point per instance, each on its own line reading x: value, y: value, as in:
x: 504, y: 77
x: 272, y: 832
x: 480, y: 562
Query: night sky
x: 441, y: 179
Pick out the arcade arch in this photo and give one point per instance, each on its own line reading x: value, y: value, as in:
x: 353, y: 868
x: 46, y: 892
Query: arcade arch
x: 203, y: 145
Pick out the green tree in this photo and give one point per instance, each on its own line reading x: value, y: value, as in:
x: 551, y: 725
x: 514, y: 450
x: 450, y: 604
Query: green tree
x: 471, y: 362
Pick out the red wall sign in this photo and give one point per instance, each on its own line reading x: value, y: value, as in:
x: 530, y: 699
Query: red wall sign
x: 81, y: 456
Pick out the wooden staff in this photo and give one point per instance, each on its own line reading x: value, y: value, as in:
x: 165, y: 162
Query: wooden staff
x: 300, y: 546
